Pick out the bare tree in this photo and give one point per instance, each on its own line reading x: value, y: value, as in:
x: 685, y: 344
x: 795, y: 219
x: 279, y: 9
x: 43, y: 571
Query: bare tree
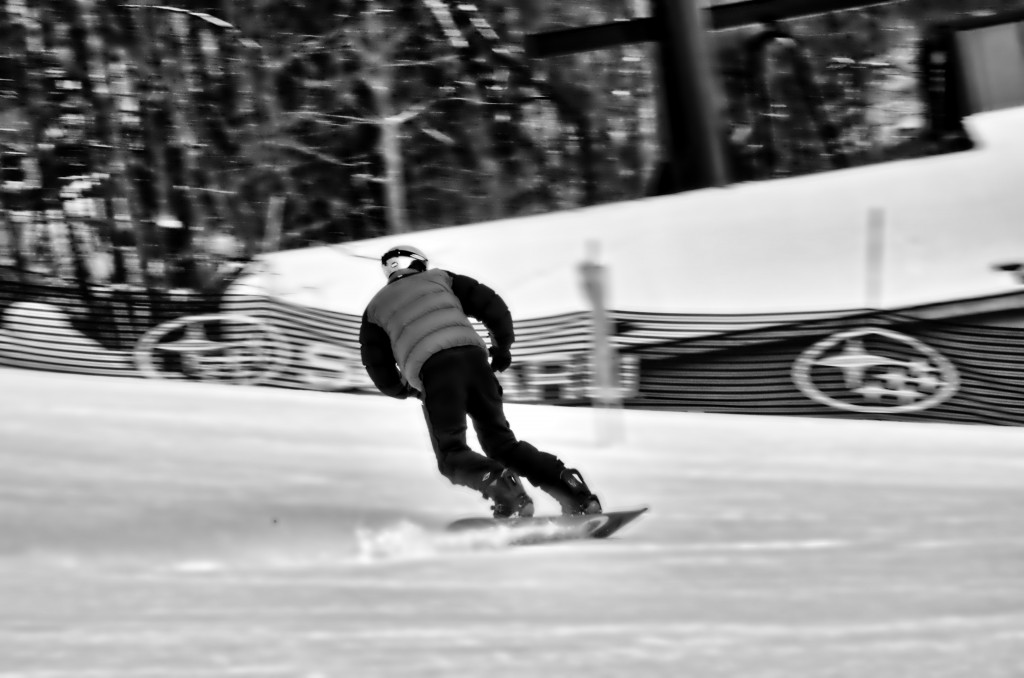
x: 101, y: 87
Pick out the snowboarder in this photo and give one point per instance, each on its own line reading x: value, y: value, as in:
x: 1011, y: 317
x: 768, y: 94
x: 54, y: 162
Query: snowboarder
x: 416, y: 341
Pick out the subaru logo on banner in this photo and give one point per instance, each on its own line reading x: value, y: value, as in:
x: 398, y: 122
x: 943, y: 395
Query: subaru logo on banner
x: 875, y: 371
x: 223, y: 347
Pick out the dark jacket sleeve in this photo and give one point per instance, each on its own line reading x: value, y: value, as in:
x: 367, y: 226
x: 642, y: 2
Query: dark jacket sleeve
x: 484, y: 304
x: 379, y: 360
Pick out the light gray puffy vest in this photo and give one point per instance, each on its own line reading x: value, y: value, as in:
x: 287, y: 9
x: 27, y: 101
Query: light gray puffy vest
x: 421, y: 316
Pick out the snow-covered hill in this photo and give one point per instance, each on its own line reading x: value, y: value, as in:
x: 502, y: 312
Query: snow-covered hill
x: 799, y: 244
x: 176, y: 529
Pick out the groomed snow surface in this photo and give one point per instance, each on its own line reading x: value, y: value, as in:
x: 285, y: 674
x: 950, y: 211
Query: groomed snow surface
x: 156, y: 529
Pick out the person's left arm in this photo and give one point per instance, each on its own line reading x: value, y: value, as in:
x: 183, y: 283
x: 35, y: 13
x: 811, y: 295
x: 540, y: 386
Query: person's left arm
x: 483, y: 303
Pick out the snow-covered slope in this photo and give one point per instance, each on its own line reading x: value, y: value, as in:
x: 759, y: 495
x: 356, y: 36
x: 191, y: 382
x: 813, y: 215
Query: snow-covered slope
x: 797, y: 244
x: 175, y: 529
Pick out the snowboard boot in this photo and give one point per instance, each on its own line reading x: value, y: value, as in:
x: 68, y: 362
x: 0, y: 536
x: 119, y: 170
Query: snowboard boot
x: 573, y: 494
x: 507, y: 493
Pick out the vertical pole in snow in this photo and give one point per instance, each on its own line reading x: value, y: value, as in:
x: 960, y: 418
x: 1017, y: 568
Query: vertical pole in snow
x: 606, y: 396
x: 875, y: 259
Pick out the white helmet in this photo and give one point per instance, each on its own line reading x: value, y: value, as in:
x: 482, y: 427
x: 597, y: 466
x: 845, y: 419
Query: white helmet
x: 401, y: 257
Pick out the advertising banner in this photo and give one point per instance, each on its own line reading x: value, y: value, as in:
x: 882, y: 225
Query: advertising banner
x: 841, y: 364
x: 882, y: 367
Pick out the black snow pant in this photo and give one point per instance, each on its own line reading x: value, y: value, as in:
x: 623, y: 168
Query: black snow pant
x: 459, y: 382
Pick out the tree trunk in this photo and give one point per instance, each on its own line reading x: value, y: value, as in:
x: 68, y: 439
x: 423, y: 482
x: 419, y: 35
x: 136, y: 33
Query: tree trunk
x: 34, y: 95
x: 14, y: 240
x: 153, y: 101
x: 211, y: 74
x: 185, y: 125
x: 394, y: 175
x: 127, y: 213
x: 496, y: 192
x: 98, y: 156
x: 258, y: 102
x: 380, y: 44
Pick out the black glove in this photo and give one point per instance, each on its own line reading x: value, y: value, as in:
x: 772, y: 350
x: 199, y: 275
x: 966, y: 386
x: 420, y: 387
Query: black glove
x: 407, y: 392
x: 501, y: 358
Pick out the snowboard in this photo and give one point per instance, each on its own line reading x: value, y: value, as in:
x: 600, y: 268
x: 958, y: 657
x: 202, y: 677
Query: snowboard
x: 544, y: 529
